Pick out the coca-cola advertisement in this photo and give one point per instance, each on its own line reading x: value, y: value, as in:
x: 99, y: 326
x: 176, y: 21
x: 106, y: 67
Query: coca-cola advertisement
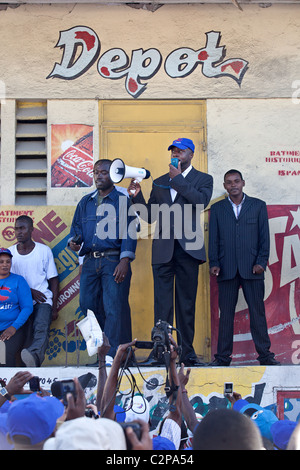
x: 71, y: 156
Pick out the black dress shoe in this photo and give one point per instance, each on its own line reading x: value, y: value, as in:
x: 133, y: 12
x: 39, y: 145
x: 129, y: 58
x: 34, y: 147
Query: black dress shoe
x: 271, y: 361
x: 193, y: 362
x: 218, y: 363
x: 151, y: 362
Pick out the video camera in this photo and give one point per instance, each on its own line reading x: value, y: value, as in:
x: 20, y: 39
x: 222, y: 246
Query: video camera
x: 160, y: 337
x: 160, y: 343
x: 136, y: 428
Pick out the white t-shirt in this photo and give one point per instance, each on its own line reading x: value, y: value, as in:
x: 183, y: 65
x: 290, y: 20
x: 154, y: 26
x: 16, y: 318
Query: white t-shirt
x: 36, y: 267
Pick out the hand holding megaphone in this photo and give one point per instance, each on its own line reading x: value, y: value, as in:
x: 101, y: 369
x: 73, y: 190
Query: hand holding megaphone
x: 134, y: 187
x: 118, y: 171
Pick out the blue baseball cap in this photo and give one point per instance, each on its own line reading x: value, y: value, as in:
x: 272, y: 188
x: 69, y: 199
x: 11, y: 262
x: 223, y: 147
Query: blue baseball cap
x: 281, y: 433
x: 262, y: 417
x: 120, y: 413
x: 34, y: 417
x: 183, y: 143
x: 4, y: 444
x: 162, y: 443
x: 5, y: 251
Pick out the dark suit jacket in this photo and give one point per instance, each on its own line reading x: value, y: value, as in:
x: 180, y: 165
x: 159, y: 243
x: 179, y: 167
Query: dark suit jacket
x: 195, y: 189
x: 239, y: 244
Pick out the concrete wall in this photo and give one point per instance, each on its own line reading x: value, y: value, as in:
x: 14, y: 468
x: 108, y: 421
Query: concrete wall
x: 273, y: 388
x: 266, y: 38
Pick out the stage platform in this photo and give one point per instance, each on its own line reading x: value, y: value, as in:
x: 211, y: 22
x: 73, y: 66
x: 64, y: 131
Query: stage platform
x: 273, y: 387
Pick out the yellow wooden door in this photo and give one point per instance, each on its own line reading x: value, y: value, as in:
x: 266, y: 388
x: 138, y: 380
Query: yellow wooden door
x: 139, y: 133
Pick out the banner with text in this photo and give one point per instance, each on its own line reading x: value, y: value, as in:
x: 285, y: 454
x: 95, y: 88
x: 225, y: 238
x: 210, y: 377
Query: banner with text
x: 52, y: 227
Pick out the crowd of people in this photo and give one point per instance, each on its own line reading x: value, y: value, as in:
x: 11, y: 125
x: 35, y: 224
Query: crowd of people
x: 49, y: 421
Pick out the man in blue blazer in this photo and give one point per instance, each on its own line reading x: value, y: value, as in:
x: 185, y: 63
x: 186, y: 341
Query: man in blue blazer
x: 178, y: 244
x: 239, y: 246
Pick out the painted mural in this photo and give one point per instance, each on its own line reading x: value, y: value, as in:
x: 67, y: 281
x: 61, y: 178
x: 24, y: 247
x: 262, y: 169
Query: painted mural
x: 142, y: 65
x: 72, y: 160
x: 272, y: 388
x: 52, y: 226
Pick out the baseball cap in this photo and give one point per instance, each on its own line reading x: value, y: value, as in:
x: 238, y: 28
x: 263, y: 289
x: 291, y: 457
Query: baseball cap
x: 281, y: 432
x: 5, y: 251
x: 182, y: 143
x: 4, y: 444
x: 162, y: 443
x: 239, y: 404
x: 138, y: 409
x: 262, y: 417
x: 34, y: 417
x: 244, y: 407
x: 88, y: 434
x: 120, y: 413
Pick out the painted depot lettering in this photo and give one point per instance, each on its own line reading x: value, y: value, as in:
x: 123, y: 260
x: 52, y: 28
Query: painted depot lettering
x: 115, y: 64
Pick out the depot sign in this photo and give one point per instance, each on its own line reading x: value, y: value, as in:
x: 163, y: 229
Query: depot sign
x: 142, y: 65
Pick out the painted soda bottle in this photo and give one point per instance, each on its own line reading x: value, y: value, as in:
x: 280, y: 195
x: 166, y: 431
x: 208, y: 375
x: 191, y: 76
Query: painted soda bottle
x: 74, y: 167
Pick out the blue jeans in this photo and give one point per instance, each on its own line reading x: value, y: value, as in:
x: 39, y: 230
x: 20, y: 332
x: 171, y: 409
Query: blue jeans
x: 108, y: 300
x: 38, y: 330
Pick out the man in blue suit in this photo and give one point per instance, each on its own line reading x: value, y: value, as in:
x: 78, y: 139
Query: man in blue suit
x: 239, y: 246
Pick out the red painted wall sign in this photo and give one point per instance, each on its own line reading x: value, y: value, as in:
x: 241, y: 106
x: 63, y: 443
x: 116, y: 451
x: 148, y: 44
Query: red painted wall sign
x: 143, y: 64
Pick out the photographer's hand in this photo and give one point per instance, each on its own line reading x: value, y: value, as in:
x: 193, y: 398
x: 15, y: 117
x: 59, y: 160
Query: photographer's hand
x: 174, y: 348
x: 183, y: 378
x: 187, y: 408
x: 233, y: 398
x: 104, y: 348
x: 122, y: 351
x: 109, y: 392
x: 102, y: 375
x: 145, y: 443
x: 17, y: 382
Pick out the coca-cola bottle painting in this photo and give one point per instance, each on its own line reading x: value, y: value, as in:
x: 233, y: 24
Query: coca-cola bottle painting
x: 74, y: 167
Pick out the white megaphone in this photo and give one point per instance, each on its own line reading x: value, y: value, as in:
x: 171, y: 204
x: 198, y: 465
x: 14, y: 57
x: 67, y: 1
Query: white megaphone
x: 118, y: 171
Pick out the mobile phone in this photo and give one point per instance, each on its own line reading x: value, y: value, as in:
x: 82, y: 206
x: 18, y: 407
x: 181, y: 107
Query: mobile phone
x: 34, y: 384
x: 174, y: 162
x: 77, y: 239
x: 84, y: 379
x: 60, y: 389
x: 68, y: 386
x: 228, y: 388
x: 144, y: 344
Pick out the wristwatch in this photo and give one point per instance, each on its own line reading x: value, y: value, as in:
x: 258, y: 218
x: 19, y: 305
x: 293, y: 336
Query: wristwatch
x: 4, y: 393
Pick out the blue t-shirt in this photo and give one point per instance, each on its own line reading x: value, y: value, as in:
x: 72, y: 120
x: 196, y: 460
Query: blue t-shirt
x: 15, y: 301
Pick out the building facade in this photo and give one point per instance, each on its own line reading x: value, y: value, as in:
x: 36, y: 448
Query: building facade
x: 84, y: 81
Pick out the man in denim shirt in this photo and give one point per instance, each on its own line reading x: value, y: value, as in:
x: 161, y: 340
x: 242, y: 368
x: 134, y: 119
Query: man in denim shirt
x: 104, y: 231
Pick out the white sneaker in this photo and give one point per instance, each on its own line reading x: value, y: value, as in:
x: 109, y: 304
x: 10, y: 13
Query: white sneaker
x: 28, y: 358
x: 108, y: 361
